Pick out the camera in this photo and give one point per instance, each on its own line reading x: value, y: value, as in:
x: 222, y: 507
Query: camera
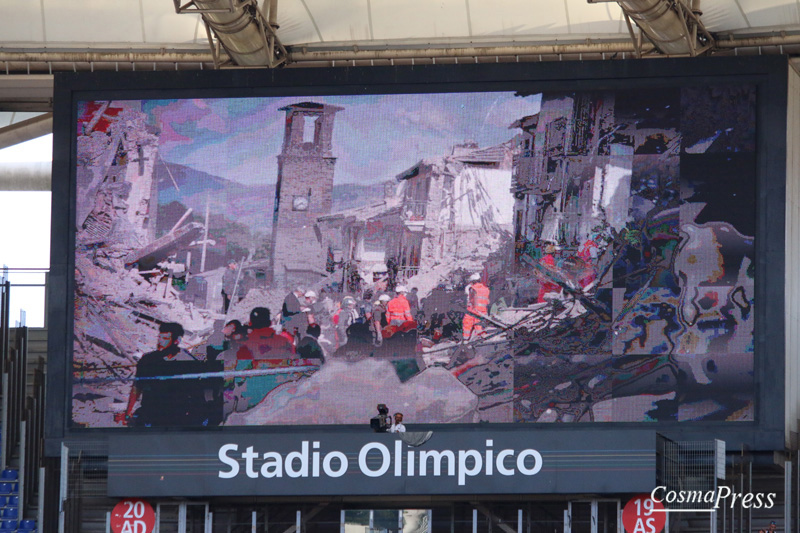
x: 382, y: 422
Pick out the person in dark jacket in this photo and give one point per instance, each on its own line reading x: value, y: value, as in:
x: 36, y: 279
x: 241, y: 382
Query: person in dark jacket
x: 163, y: 401
x: 308, y: 347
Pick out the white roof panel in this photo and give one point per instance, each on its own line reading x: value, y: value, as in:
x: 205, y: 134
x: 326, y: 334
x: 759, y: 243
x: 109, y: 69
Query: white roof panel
x: 419, y: 19
x: 585, y: 18
x: 163, y: 25
x: 339, y: 21
x: 297, y: 24
x: 518, y: 17
x: 722, y: 15
x: 21, y: 21
x: 766, y: 13
x: 132, y: 22
x: 94, y: 21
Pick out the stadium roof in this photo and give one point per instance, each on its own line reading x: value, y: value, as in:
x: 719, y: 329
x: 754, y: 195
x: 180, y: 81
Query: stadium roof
x: 39, y: 38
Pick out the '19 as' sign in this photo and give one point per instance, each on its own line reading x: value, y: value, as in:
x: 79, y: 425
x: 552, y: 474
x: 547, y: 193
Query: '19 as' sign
x: 133, y: 516
x: 643, y: 515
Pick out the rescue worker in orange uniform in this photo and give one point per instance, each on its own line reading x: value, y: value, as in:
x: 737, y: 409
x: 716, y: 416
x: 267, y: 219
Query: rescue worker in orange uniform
x: 398, y: 310
x: 478, y: 303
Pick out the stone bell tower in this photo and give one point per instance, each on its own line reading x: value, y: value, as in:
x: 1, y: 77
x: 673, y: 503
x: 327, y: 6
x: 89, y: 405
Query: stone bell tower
x: 304, y: 192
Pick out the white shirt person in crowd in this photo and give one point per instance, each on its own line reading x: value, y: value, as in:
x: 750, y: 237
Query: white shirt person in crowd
x: 397, y: 426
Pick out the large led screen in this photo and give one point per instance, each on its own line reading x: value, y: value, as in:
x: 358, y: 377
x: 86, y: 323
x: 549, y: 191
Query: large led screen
x: 505, y: 257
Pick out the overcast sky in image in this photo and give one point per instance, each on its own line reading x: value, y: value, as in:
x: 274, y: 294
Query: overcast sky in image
x: 375, y: 137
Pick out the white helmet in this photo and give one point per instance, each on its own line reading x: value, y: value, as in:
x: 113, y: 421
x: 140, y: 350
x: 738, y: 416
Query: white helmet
x: 475, y: 277
x: 384, y: 298
x: 401, y: 289
x: 310, y: 294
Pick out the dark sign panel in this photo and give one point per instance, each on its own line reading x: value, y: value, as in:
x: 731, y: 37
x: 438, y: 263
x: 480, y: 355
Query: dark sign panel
x: 356, y: 463
x: 509, y: 256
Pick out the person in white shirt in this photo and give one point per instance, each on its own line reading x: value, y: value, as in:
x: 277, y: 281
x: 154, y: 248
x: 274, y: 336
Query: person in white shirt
x: 397, y: 426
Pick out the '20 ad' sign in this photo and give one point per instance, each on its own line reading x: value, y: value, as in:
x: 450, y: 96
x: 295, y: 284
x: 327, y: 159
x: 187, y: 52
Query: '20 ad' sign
x: 133, y: 516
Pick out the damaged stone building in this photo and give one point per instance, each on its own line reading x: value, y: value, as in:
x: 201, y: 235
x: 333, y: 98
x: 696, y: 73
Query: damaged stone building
x: 445, y: 213
x: 363, y: 237
x: 572, y: 174
x: 454, y: 206
x: 117, y: 172
x: 123, y: 273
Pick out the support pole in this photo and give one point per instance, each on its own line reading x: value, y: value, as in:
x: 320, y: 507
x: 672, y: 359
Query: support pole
x: 62, y: 492
x: 750, y: 490
x: 4, y: 423
x: 40, y: 505
x: 23, y: 440
x: 741, y: 490
x: 787, y: 497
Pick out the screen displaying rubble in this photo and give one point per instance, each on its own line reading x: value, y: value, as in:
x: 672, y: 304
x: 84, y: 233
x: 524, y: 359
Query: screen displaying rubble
x: 504, y: 257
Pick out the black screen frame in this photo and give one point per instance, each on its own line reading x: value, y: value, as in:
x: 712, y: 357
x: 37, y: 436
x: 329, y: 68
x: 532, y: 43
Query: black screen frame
x: 768, y: 74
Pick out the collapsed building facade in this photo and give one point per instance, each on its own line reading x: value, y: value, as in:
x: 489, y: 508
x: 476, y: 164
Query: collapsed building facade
x: 445, y: 213
x: 455, y: 206
x: 572, y: 174
x: 117, y: 172
x: 608, y: 216
x: 124, y: 273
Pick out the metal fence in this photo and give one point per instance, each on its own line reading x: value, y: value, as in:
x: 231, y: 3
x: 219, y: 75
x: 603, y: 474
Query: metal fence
x: 21, y: 413
x: 689, y: 467
x: 84, y: 479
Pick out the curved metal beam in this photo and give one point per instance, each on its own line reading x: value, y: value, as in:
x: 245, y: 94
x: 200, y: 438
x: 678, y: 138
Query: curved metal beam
x: 673, y: 26
x: 26, y: 130
x: 241, y: 29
